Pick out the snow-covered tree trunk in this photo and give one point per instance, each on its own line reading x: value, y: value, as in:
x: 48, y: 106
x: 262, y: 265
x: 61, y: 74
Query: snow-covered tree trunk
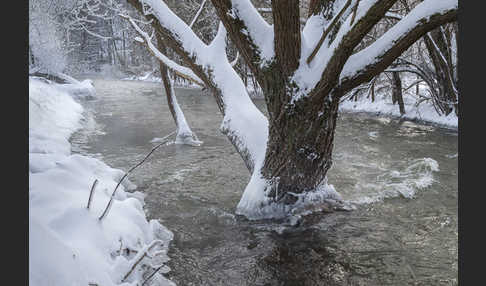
x: 184, y: 133
x: 303, y: 74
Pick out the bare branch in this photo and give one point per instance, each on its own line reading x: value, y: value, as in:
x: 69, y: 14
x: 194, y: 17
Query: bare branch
x: 326, y: 32
x: 372, y: 60
x: 145, y: 253
x: 355, y: 9
x: 181, y: 71
x: 91, y: 192
x: 346, y: 39
x: 197, y: 14
x: 110, y: 202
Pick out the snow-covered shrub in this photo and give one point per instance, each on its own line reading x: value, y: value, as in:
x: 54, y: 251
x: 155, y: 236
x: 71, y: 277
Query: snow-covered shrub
x: 46, y: 46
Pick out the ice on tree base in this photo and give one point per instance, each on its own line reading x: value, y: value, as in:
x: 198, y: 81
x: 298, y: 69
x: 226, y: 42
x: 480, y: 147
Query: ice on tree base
x: 188, y: 139
x: 255, y: 204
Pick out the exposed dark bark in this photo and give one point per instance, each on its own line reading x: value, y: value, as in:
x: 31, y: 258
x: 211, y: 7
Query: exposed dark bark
x: 286, y: 15
x: 299, y: 151
x: 236, y: 31
x: 397, y: 96
x: 166, y: 80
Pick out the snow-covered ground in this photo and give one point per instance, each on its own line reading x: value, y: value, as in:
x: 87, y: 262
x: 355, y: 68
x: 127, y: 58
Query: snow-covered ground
x: 68, y: 245
x: 383, y: 106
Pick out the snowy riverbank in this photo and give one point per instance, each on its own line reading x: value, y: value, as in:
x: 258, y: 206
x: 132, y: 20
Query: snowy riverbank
x: 68, y: 245
x: 149, y: 77
x: 383, y: 106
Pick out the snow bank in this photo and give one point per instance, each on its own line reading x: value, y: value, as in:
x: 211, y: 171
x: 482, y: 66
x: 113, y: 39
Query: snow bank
x: 83, y: 89
x: 78, y: 89
x: 68, y: 245
x: 383, y: 106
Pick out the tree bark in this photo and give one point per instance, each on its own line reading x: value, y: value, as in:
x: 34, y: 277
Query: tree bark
x: 397, y: 96
x: 286, y: 15
x: 166, y: 81
x: 299, y: 150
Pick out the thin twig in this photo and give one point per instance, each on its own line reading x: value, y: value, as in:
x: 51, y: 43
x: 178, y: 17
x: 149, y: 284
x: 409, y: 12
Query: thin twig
x: 197, y: 13
x: 93, y: 187
x: 145, y: 253
x: 355, y: 9
x: 329, y: 28
x: 108, y: 206
x: 146, y: 39
x: 153, y: 273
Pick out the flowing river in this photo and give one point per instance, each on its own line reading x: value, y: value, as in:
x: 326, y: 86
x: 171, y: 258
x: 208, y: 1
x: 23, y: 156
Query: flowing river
x: 401, y: 175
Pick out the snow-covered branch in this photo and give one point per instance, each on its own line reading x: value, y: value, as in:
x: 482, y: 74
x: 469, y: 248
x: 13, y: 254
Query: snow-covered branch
x: 249, y: 32
x: 327, y: 30
x: 243, y: 123
x: 178, y: 69
x: 258, y: 30
x: 198, y: 13
x: 233, y: 63
x: 376, y: 57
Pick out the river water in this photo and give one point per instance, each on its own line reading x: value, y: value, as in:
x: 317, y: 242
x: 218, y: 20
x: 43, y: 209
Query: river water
x: 401, y: 175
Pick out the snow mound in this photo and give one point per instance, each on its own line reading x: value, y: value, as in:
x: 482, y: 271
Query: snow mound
x: 68, y: 245
x: 81, y: 90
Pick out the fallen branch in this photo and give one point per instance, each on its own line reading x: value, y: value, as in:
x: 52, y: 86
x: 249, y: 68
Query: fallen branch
x: 108, y: 206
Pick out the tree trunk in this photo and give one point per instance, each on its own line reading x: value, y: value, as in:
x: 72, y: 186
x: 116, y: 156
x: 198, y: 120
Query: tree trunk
x: 184, y: 132
x: 397, y: 95
x: 299, y: 148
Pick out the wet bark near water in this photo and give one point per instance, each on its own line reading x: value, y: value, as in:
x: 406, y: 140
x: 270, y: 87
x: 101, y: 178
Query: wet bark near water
x: 397, y: 96
x: 299, y: 150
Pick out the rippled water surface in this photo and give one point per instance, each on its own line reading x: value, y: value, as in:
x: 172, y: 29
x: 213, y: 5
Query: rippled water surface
x: 402, y: 175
